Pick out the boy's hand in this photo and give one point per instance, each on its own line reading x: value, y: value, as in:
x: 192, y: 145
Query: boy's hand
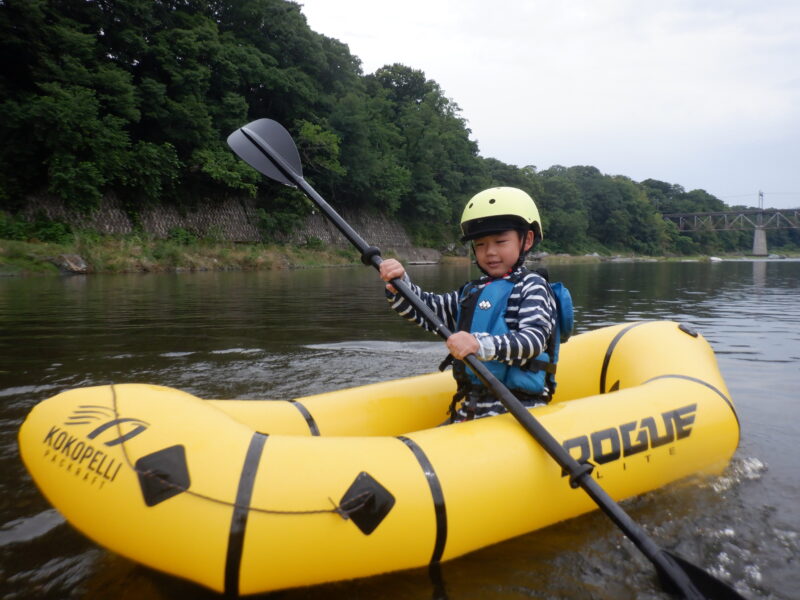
x: 391, y: 269
x: 461, y: 344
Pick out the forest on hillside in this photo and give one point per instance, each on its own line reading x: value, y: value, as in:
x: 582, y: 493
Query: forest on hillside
x: 137, y: 97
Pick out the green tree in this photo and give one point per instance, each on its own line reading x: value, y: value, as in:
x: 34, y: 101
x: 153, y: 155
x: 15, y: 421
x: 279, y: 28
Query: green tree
x: 65, y: 110
x: 435, y: 148
x: 137, y: 97
x: 564, y: 217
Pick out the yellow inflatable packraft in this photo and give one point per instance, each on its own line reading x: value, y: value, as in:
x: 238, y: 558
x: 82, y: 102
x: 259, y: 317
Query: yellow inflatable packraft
x: 246, y: 496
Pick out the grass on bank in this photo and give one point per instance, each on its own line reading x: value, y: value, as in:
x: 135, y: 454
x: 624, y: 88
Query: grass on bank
x: 35, y: 248
x: 137, y: 254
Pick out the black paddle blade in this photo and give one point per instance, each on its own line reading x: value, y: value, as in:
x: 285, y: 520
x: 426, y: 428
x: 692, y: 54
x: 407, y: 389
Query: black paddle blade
x: 267, y: 147
x: 708, y: 585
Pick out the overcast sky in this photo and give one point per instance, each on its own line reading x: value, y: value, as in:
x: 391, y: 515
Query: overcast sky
x: 704, y: 94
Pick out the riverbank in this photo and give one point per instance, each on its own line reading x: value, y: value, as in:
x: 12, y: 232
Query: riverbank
x: 134, y: 254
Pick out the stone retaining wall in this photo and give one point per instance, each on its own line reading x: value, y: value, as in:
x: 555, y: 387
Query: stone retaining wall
x: 233, y: 220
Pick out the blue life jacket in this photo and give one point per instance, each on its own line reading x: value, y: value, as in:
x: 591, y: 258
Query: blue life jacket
x: 483, y: 310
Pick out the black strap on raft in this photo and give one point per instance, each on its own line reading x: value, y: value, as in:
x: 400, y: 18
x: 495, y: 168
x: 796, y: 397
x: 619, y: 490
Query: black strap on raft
x: 369, y: 252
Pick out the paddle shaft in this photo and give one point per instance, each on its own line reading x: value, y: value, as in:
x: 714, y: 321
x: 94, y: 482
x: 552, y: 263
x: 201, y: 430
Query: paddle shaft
x: 580, y: 475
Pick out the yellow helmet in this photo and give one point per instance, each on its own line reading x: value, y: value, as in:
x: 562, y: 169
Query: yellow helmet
x: 500, y: 209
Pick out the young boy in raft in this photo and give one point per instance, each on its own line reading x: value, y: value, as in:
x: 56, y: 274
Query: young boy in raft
x: 507, y: 318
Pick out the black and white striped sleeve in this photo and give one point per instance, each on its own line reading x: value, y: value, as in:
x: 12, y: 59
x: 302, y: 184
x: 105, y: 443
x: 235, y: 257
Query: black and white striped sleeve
x: 530, y: 316
x: 444, y: 305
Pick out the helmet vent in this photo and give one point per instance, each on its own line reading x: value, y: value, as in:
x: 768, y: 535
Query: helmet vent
x: 492, y: 201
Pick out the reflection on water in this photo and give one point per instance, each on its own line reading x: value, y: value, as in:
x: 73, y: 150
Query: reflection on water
x: 287, y: 334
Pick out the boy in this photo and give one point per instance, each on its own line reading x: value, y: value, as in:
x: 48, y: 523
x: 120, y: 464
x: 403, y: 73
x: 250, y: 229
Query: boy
x: 507, y: 318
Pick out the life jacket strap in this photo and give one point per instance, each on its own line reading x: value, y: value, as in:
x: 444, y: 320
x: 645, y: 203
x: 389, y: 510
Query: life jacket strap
x: 448, y: 360
x: 541, y: 365
x: 469, y: 395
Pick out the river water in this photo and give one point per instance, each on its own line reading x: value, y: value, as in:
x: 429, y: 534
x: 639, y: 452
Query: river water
x: 283, y: 334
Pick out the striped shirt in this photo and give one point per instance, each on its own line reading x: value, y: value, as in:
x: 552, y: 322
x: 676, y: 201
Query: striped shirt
x: 530, y: 316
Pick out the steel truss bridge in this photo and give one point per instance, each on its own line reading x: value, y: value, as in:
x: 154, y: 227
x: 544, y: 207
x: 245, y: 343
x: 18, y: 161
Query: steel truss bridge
x: 759, y: 220
x: 737, y: 220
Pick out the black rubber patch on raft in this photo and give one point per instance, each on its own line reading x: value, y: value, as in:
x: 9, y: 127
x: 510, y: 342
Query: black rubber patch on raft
x: 437, y: 495
x: 371, y: 502
x: 163, y: 474
x: 240, y: 511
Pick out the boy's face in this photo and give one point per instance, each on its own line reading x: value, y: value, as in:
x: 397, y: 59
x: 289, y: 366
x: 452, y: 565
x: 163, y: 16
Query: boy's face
x: 499, y: 252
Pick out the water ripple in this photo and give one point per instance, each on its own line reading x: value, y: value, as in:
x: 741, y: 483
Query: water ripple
x: 283, y: 335
x: 30, y: 528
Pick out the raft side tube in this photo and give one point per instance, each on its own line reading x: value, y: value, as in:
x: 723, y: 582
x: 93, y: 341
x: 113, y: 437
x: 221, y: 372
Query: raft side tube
x: 267, y: 416
x: 496, y: 476
x: 91, y: 478
x: 308, y: 474
x: 629, y: 354
x: 387, y: 408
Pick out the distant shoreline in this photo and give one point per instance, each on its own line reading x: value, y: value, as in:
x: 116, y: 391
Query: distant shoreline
x: 113, y: 255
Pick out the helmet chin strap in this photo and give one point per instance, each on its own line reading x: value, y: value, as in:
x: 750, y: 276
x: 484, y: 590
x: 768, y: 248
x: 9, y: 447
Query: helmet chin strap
x: 522, y: 253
